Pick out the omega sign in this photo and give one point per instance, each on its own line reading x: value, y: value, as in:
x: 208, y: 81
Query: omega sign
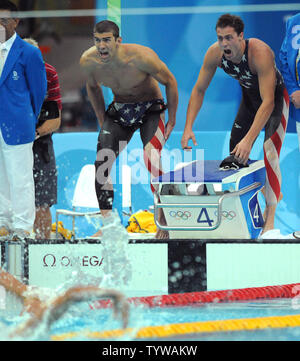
x: 49, y: 260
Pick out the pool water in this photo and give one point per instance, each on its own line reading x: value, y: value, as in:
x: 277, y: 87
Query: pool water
x: 80, y: 318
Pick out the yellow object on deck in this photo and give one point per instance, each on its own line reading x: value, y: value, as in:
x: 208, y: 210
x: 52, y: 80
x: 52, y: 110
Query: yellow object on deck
x: 141, y: 222
x: 65, y: 233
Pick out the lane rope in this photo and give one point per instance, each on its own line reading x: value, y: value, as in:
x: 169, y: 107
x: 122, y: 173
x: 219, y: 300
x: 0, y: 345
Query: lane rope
x: 191, y: 328
x: 202, y: 327
x: 192, y: 298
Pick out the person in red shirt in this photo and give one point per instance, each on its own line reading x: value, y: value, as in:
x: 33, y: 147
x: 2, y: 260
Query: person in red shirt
x: 44, y: 169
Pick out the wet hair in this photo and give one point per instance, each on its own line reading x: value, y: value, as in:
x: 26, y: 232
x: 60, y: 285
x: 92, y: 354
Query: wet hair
x: 231, y: 20
x: 107, y: 26
x: 8, y: 5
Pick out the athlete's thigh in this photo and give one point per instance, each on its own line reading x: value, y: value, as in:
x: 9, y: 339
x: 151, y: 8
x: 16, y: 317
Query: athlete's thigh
x: 152, y: 128
x: 113, y: 136
x: 275, y: 119
x: 242, y: 123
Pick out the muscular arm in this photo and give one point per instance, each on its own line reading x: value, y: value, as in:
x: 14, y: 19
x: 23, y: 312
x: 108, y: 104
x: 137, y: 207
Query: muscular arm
x: 59, y: 305
x: 31, y: 304
x: 149, y: 62
x: 263, y: 64
x: 206, y: 74
x: 96, y: 97
x: 11, y: 284
x: 94, y: 91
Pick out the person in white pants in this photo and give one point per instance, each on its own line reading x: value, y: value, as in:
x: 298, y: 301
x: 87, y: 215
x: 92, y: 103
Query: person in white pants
x: 17, y: 198
x: 23, y: 87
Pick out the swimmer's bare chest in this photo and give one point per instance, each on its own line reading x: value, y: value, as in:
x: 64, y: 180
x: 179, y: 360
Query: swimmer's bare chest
x: 129, y: 84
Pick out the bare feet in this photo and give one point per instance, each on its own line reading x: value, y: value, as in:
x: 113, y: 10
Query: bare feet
x: 97, y: 234
x: 105, y: 214
x: 162, y: 234
x: 269, y: 220
x: 269, y: 216
x: 265, y: 211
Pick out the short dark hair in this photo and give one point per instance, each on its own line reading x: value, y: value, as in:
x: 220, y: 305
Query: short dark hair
x: 107, y: 26
x: 231, y: 20
x: 8, y: 5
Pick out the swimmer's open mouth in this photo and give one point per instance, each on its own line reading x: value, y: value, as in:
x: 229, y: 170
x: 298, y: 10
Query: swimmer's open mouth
x: 227, y: 51
x: 103, y: 53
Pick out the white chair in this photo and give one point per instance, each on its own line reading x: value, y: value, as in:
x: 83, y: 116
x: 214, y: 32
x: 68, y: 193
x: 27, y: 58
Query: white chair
x: 85, y: 195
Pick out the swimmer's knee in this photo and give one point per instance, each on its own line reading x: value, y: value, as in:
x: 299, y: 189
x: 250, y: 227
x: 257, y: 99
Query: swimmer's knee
x: 104, y: 191
x: 102, y: 171
x: 105, y: 198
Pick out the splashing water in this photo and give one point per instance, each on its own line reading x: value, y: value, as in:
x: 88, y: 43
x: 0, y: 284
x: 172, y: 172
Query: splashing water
x: 117, y: 267
x: 116, y: 274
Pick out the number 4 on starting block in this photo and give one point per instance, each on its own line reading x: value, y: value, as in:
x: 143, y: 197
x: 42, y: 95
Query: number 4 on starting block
x: 204, y: 217
x: 256, y: 215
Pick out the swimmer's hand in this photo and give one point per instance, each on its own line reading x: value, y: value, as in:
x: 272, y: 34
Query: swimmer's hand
x: 37, y: 309
x: 120, y: 307
x: 187, y: 135
x: 34, y: 306
x: 242, y: 150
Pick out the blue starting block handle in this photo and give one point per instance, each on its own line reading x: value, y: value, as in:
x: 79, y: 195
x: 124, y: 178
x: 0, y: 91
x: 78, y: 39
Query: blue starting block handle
x: 218, y: 205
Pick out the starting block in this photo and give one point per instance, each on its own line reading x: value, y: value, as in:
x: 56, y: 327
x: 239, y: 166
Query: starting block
x: 199, y: 201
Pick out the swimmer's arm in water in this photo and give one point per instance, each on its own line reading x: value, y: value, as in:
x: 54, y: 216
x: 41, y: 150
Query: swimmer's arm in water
x: 93, y: 89
x: 31, y: 304
x: 264, y: 66
x: 211, y: 61
x: 11, y: 284
x: 60, y: 305
x: 148, y: 61
x: 89, y: 293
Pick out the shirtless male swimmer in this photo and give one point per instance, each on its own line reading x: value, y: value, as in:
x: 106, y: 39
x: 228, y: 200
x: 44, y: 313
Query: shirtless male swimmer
x: 133, y: 73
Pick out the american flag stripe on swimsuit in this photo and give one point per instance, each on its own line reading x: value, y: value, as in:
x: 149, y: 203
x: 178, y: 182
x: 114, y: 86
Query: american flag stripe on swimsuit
x: 273, y: 146
x: 152, y: 151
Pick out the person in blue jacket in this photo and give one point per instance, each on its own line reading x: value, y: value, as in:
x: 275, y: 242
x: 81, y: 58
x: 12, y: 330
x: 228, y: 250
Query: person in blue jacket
x: 289, y: 57
x: 23, y: 86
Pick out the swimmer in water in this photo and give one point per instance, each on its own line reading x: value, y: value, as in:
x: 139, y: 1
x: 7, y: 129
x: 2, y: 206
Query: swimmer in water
x: 49, y: 312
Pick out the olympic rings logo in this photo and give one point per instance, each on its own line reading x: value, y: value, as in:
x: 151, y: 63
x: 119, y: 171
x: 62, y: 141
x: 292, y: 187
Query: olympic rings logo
x: 228, y: 215
x: 183, y: 215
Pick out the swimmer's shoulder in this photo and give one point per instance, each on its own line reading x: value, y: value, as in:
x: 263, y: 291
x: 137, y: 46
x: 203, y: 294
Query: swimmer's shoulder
x: 137, y: 52
x: 213, y: 55
x: 88, y: 58
x: 258, y: 47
